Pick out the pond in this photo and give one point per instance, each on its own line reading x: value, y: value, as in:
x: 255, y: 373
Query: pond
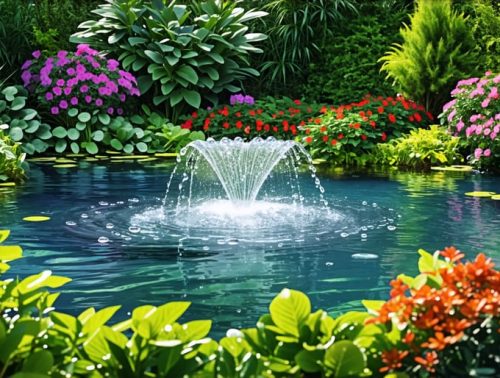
x: 390, y: 215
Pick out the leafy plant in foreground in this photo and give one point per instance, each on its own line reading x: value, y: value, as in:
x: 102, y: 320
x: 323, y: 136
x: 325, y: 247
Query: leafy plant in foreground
x: 11, y: 158
x: 184, y: 54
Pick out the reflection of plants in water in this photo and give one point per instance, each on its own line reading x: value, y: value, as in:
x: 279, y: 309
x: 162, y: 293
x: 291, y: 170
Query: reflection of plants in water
x: 423, y: 185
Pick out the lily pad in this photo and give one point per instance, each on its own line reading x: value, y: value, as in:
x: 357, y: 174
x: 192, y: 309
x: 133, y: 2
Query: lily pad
x: 148, y: 159
x: 454, y: 168
x: 480, y: 194
x: 65, y: 165
x: 109, y: 152
x: 10, y: 183
x: 91, y: 159
x: 496, y: 197
x: 131, y: 157
x: 62, y: 160
x: 75, y: 155
x: 42, y: 159
x: 166, y: 154
x: 36, y: 218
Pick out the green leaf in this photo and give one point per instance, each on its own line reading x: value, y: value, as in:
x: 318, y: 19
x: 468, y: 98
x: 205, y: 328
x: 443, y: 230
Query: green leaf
x: 345, y: 359
x: 16, y: 133
x: 84, y: 117
x: 308, y: 360
x: 104, y: 118
x: 73, y: 112
x: 91, y: 148
x: 10, y: 253
x: 193, y: 98
x: 188, y: 73
x: 61, y: 145
x: 18, y: 103
x: 116, y: 144
x: 197, y: 329
x: 4, y: 234
x: 154, y: 56
x: 73, y: 134
x: 141, y: 147
x: 289, y: 309
x: 40, y: 361
x: 98, y: 135
x: 59, y: 132
x: 75, y: 148
x: 128, y: 148
x: 373, y: 307
x: 9, y: 93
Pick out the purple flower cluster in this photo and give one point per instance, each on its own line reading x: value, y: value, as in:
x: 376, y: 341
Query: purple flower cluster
x: 474, y: 113
x: 241, y: 99
x: 84, y: 79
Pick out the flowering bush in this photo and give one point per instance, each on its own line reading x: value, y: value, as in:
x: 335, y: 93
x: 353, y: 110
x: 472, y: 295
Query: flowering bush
x: 446, y: 319
x: 247, y: 117
x: 347, y: 132
x: 81, y: 91
x: 474, y: 114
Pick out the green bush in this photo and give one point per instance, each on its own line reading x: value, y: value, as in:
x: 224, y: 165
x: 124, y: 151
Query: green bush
x: 435, y: 53
x: 484, y: 21
x: 24, y: 123
x: 347, y: 66
x: 11, y: 158
x: 394, y: 339
x: 421, y: 149
x: 185, y: 54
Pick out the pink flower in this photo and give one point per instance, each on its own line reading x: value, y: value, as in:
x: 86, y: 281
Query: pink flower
x: 487, y: 73
x: 485, y: 103
x: 487, y: 152
x: 36, y: 54
x: 49, y: 96
x: 493, y: 135
x: 67, y: 91
x: 479, y: 130
x: 451, y: 115
x: 88, y: 99
x: 60, y: 82
x: 119, y: 111
x: 111, y: 110
x: 449, y: 105
x: 57, y: 91
x: 84, y: 88
x: 74, y: 101
x: 493, y: 93
x: 63, y: 104
x: 497, y: 117
x: 487, y: 131
x: 478, y: 152
x: 460, y: 125
x: 98, y: 102
x: 54, y: 110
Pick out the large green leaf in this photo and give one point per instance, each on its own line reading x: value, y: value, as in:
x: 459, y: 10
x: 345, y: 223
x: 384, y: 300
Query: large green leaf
x: 289, y: 309
x: 193, y: 98
x: 187, y: 73
x: 345, y: 359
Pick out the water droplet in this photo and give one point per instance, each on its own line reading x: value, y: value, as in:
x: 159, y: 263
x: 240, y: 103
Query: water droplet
x: 364, y: 203
x: 97, y: 212
x: 134, y: 229
x: 374, y: 204
x: 109, y: 226
x: 329, y: 263
x: 364, y: 256
x: 364, y: 236
x: 280, y: 245
x: 321, y: 189
x: 103, y: 240
x: 70, y: 223
x: 84, y: 215
x: 183, y: 151
x: 364, y: 228
x: 391, y: 228
x: 344, y: 234
x: 103, y: 203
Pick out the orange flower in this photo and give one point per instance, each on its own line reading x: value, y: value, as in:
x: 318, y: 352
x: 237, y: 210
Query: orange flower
x: 428, y: 361
x: 392, y: 359
x: 452, y: 254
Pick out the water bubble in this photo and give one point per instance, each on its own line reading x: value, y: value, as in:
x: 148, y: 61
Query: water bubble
x: 134, y: 229
x: 364, y: 203
x: 221, y: 241
x: 103, y: 240
x: 183, y: 151
x: 232, y: 241
x: 329, y: 263
x: 70, y: 223
x: 97, y: 212
x: 280, y: 245
x: 364, y: 228
x: 391, y: 227
x: 374, y: 204
x: 84, y: 215
x: 109, y: 226
x: 321, y: 189
x: 364, y: 236
x: 206, y: 248
x: 364, y: 256
x: 178, y: 159
x: 344, y: 234
x: 119, y: 202
x: 133, y: 200
x: 103, y: 203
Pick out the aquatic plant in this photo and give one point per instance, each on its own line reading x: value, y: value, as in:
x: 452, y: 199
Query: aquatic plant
x: 474, y: 115
x: 443, y: 321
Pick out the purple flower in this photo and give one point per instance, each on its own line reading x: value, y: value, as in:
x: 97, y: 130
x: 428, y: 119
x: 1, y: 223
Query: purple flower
x: 84, y: 49
x: 98, y: 102
x: 67, y: 91
x: 36, y: 54
x: 62, y: 54
x: 84, y: 88
x: 249, y: 100
x: 54, y: 110
x: 74, y: 101
x: 122, y: 97
x: 26, y: 65
x: 71, y: 71
x: 493, y: 93
x: 49, y: 96
x: 88, y: 99
x: 63, y: 104
x: 60, y: 82
x: 104, y: 91
x: 57, y: 91
x: 113, y: 64
x: 26, y: 76
x: 110, y: 110
x: 119, y: 111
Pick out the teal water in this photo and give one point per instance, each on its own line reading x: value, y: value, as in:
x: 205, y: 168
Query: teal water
x: 384, y: 219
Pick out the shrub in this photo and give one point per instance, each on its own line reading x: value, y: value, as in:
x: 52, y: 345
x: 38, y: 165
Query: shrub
x: 24, y: 123
x: 435, y: 53
x: 249, y: 118
x: 81, y: 91
x: 421, y: 149
x: 11, y: 158
x: 346, y: 134
x: 347, y: 67
x: 185, y: 54
x: 474, y: 115
x: 448, y: 313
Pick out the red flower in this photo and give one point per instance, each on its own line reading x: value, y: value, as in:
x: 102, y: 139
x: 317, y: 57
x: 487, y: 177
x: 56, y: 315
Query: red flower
x: 293, y: 129
x: 373, y: 124
x: 224, y: 112
x: 251, y: 112
x: 323, y: 129
x: 411, y: 118
x: 259, y: 111
x: 212, y: 115
x: 392, y: 359
x: 238, y: 114
x: 357, y: 125
x: 428, y: 362
x: 309, y: 139
x: 429, y: 115
x: 322, y: 110
x: 226, y: 125
x: 325, y: 138
x: 418, y: 117
x: 308, y: 131
x: 297, y: 102
x: 363, y: 136
x: 452, y: 254
x: 385, y: 103
x: 392, y: 118
x: 247, y: 130
x: 194, y: 115
x: 384, y: 136
x: 340, y: 136
x: 285, y: 125
x: 259, y: 123
x: 333, y: 142
x: 275, y: 129
x: 317, y: 121
x: 239, y: 124
x: 188, y: 124
x: 206, y: 124
x: 267, y: 127
x: 380, y: 109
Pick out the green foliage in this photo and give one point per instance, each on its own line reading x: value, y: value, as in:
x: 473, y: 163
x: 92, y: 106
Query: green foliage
x: 484, y: 21
x: 185, y: 54
x: 11, y: 158
x: 297, y: 30
x: 290, y: 341
x: 421, y: 149
x: 24, y: 123
x: 55, y: 20
x: 347, y: 67
x: 16, y: 34
x: 435, y: 53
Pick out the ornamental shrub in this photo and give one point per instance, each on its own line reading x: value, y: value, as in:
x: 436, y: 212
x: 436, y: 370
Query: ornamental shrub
x: 474, y: 115
x: 249, y: 118
x: 436, y: 52
x: 445, y: 321
x: 81, y: 91
x: 347, y: 133
x: 184, y: 54
x: 11, y: 158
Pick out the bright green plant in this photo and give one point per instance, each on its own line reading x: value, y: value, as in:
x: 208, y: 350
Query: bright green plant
x: 421, y: 149
x: 347, y: 67
x: 24, y: 123
x: 11, y: 158
x: 435, y: 53
x: 184, y: 54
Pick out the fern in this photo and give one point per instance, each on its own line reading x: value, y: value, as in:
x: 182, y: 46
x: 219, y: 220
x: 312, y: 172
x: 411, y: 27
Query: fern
x: 435, y: 53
